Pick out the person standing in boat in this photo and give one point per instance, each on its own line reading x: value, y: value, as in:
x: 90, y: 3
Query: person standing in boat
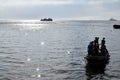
x: 96, y: 40
x: 103, y: 47
x: 103, y: 41
x: 91, y: 48
x: 96, y: 45
x: 103, y: 50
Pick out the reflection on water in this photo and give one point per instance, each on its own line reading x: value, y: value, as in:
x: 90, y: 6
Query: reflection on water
x: 95, y: 71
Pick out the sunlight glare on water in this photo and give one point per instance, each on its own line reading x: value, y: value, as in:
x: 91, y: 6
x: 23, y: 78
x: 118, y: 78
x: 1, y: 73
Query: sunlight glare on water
x: 37, y: 69
x: 68, y: 52
x: 42, y: 43
x: 28, y: 59
x: 31, y: 26
x: 56, y: 50
x: 39, y: 76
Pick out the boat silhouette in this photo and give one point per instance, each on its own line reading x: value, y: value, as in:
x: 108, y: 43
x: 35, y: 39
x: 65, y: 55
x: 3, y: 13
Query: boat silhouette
x: 116, y: 26
x: 47, y: 19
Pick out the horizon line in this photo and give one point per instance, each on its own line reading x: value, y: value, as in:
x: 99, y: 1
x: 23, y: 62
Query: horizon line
x: 55, y: 19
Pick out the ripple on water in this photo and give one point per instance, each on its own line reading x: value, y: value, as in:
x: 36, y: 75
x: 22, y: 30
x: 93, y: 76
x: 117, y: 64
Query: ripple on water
x: 6, y: 52
x: 60, y: 51
x: 5, y: 78
x: 11, y: 61
x: 74, y: 63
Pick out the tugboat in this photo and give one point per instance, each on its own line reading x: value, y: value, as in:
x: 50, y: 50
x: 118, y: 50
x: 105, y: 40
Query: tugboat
x: 47, y: 19
x: 96, y: 55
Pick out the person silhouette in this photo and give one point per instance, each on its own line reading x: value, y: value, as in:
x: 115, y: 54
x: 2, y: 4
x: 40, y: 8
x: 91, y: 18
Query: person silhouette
x: 96, y: 45
x: 90, y: 48
x: 103, y: 41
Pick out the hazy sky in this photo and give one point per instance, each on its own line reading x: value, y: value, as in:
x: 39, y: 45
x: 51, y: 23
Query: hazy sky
x: 59, y: 9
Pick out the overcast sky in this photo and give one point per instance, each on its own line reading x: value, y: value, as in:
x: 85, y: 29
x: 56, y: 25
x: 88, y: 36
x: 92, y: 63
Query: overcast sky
x: 60, y: 9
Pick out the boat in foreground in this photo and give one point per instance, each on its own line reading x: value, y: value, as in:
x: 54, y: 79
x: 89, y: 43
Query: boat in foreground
x: 97, y: 53
x: 97, y: 59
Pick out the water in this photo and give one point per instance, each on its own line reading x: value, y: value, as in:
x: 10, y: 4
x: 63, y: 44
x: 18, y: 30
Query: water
x: 33, y: 50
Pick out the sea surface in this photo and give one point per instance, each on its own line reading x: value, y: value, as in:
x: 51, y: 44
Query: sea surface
x: 34, y: 50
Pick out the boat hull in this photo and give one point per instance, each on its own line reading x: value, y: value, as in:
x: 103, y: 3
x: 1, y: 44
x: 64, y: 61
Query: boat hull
x: 116, y: 26
x: 97, y: 60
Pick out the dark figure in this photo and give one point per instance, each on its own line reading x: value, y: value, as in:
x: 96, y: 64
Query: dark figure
x: 103, y: 41
x: 90, y: 48
x: 96, y: 45
x: 103, y: 47
x: 96, y: 40
x: 104, y: 50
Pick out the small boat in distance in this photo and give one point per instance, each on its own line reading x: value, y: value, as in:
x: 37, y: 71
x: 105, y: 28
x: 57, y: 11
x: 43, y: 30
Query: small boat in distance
x: 116, y: 26
x: 112, y: 19
x: 47, y: 19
